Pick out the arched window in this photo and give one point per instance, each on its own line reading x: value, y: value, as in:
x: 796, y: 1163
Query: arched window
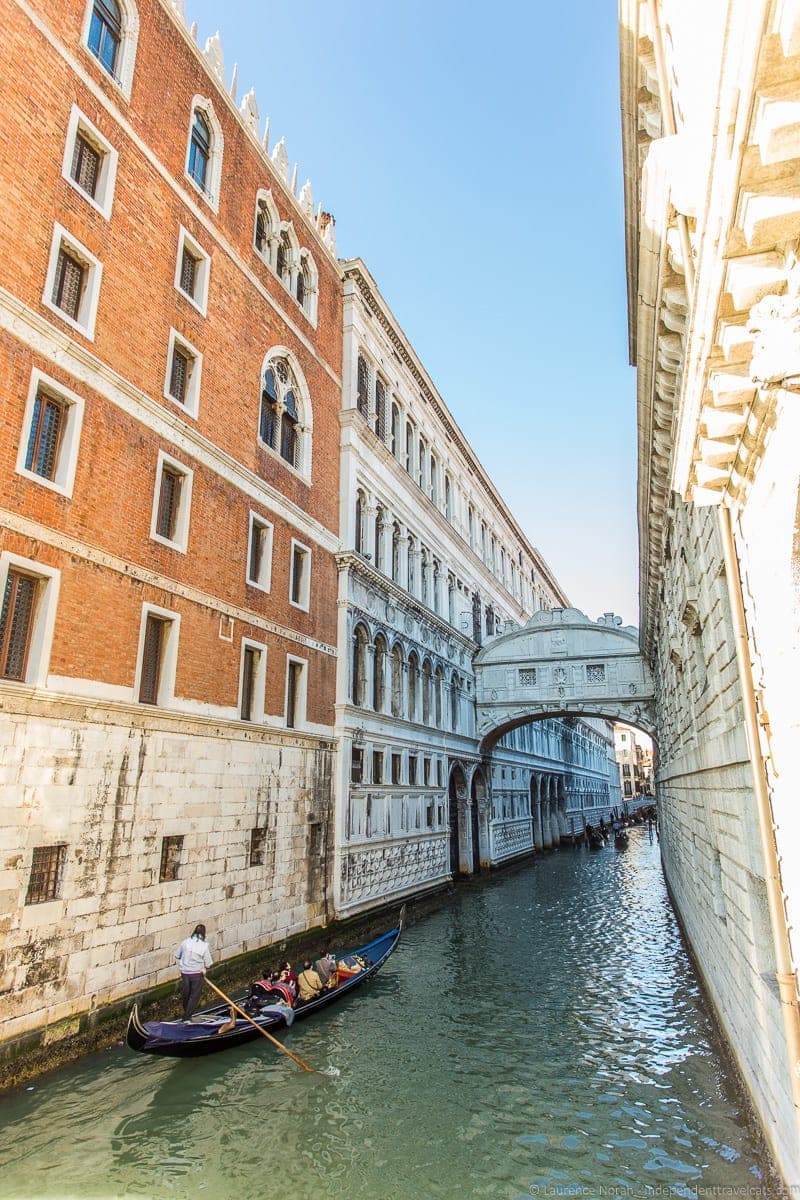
x: 438, y: 680
x: 282, y: 426
x: 110, y: 32
x: 358, y: 532
x: 413, y: 685
x: 379, y: 674
x: 358, y: 686
x: 434, y: 481
x: 422, y: 462
x: 397, y: 680
x: 284, y: 258
x: 448, y: 498
x: 427, y: 686
x: 267, y: 227
x: 471, y: 525
x: 483, y: 541
x: 105, y: 33
x: 395, y: 439
x: 199, y: 149
x: 409, y: 463
x: 307, y: 284
x: 437, y: 586
x: 204, y: 154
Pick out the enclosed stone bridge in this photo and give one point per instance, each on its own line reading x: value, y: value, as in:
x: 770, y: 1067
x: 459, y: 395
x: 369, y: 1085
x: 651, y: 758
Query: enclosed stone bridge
x: 562, y: 664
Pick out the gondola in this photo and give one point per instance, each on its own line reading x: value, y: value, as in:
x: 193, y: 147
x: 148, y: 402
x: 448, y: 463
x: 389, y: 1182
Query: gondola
x: 210, y: 1029
x: 620, y: 839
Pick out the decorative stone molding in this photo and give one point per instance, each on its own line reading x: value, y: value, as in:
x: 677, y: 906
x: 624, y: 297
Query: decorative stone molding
x: 775, y: 322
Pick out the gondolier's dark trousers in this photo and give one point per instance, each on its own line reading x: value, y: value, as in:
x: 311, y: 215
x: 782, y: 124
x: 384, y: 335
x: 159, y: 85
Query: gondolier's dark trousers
x: 192, y: 987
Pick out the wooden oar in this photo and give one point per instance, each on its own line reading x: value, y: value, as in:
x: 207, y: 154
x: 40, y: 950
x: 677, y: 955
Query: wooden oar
x: 255, y: 1025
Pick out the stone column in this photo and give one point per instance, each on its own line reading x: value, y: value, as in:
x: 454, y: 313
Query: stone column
x: 368, y: 538
x: 536, y: 808
x: 554, y: 812
x: 403, y: 557
x: 547, y: 828
x: 369, y: 674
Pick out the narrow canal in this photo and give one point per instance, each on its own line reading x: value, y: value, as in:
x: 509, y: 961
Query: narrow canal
x: 543, y: 1035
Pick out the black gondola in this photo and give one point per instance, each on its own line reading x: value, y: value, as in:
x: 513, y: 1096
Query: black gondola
x: 210, y: 1030
x: 620, y: 839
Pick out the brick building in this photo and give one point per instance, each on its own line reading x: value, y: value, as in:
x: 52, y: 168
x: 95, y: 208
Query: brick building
x: 170, y: 341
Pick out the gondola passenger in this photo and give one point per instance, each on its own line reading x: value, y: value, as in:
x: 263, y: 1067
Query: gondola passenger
x: 325, y: 966
x: 309, y: 983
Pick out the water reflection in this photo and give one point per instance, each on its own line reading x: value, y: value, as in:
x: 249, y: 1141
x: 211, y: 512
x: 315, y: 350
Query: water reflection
x: 544, y: 1032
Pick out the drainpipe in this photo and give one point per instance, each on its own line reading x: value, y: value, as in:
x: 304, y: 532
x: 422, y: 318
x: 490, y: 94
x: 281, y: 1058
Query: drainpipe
x: 784, y: 973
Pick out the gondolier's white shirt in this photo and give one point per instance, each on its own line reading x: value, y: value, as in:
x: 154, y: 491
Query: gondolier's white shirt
x: 193, y: 955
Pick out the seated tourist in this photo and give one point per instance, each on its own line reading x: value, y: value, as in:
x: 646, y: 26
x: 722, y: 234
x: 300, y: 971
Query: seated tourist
x: 309, y: 983
x: 288, y: 976
x: 325, y: 966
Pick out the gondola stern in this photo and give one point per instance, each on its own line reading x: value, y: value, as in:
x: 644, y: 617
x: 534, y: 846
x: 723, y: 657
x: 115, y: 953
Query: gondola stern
x: 136, y: 1035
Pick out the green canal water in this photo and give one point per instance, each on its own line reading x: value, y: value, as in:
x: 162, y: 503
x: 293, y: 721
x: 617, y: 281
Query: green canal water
x: 542, y: 1035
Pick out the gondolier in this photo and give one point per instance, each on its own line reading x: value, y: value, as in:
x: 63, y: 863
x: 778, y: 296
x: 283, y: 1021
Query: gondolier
x: 194, y: 958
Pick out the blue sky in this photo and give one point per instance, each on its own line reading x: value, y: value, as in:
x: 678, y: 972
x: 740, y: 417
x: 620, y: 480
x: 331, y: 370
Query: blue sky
x: 471, y: 156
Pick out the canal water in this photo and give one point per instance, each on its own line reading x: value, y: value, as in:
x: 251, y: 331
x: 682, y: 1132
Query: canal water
x: 541, y: 1035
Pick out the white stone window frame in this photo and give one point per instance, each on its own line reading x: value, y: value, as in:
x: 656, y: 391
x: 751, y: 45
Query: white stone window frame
x: 270, y: 254
x: 257, y: 707
x: 40, y: 643
x: 64, y: 481
x: 169, y: 654
x: 256, y: 521
x: 107, y: 175
x: 211, y: 192
x: 301, y: 696
x: 91, y: 293
x: 181, y: 541
x: 308, y: 268
x: 123, y: 79
x: 305, y: 425
x: 203, y: 274
x: 191, y: 405
x: 304, y: 604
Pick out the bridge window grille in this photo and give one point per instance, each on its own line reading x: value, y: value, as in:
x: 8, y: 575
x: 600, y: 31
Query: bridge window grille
x: 527, y: 677
x: 596, y: 674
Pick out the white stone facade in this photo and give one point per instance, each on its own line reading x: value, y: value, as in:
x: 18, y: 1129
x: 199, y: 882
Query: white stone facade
x: 710, y: 96
x: 110, y: 785
x: 432, y: 566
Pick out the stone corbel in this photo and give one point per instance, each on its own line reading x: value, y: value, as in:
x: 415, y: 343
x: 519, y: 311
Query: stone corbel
x: 775, y: 322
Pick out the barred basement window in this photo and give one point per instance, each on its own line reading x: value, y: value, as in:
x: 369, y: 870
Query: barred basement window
x: 152, y: 659
x: 258, y: 842
x: 527, y: 678
x: 169, y: 499
x: 16, y: 624
x: 171, y: 848
x: 47, y: 872
x: 85, y: 168
x: 69, y: 284
x: 596, y: 674
x: 46, y: 432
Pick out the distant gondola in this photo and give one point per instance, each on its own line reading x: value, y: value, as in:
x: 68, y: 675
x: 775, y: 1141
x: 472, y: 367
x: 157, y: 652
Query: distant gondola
x: 210, y: 1029
x: 620, y: 839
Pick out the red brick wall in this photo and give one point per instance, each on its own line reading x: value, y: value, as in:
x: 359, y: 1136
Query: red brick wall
x: 98, y: 618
